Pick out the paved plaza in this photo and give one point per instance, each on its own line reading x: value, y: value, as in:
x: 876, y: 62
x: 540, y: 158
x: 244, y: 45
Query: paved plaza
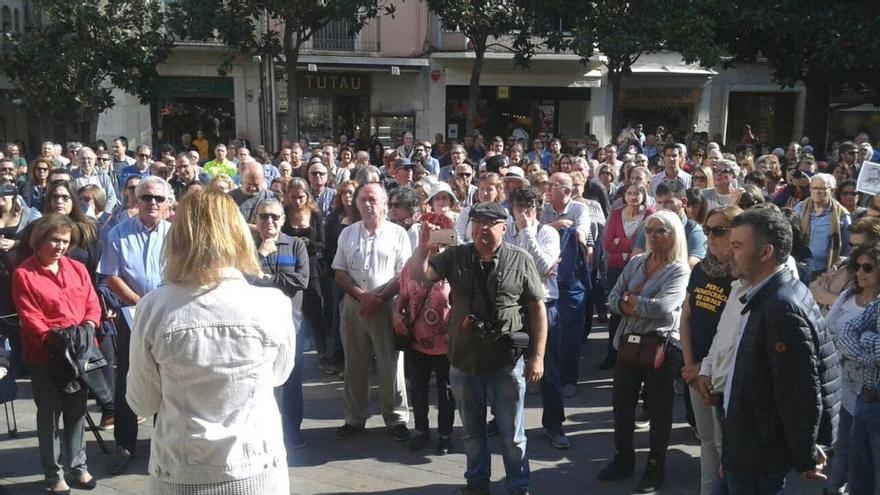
x: 374, y: 463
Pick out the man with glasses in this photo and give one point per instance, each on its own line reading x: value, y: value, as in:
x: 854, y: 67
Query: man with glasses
x: 88, y: 172
x: 492, y: 282
x: 141, y: 167
x: 542, y: 243
x: 253, y: 190
x: 131, y: 266
x: 423, y: 151
x: 221, y: 164
x: 318, y: 183
x: 457, y: 155
x: 187, y: 175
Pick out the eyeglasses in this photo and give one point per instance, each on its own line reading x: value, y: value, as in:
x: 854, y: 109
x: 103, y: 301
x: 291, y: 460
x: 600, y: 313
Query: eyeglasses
x: 716, y: 231
x: 146, y: 198
x: 64, y: 198
x: 865, y: 267
x: 103, y: 158
x: 487, y: 223
x: 143, y: 155
x: 848, y: 193
x: 266, y: 216
x: 318, y: 174
x: 661, y: 231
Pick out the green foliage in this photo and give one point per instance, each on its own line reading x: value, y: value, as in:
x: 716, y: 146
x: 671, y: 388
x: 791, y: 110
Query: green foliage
x: 828, y: 42
x: 70, y: 63
x: 240, y: 24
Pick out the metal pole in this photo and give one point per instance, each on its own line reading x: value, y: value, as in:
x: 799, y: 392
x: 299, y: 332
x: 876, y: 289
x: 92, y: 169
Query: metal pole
x: 273, y: 105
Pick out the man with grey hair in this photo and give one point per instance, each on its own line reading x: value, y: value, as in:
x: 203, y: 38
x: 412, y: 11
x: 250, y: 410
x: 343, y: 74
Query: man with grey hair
x: 370, y: 282
x: 722, y: 194
x: 253, y: 190
x: 130, y: 263
x: 407, y: 149
x: 89, y: 173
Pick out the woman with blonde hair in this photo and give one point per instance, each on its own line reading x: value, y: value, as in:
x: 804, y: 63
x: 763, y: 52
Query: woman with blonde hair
x: 222, y: 183
x: 648, y: 295
x: 207, y: 351
x: 490, y: 190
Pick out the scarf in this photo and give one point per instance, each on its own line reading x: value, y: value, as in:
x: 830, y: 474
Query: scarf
x: 837, y: 211
x: 714, y: 268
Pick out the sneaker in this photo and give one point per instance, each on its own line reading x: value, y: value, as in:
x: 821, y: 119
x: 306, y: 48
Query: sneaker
x: 400, y: 432
x: 492, y: 428
x: 617, y: 470
x: 602, y: 318
x: 444, y: 444
x: 297, y: 440
x: 569, y: 390
x: 121, y: 461
x: 643, y: 420
x: 348, y: 431
x: 106, y: 423
x: 419, y: 440
x: 652, y: 480
x: 472, y: 490
x: 558, y: 439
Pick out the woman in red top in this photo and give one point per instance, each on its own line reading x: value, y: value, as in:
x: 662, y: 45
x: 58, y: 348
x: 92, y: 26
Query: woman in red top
x: 623, y: 228
x: 52, y: 291
x: 422, y: 312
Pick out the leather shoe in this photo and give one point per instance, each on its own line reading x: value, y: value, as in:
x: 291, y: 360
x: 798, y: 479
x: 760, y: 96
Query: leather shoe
x: 85, y: 485
x: 121, y: 461
x: 444, y: 444
x: 653, y: 478
x: 617, y: 470
x: 348, y: 430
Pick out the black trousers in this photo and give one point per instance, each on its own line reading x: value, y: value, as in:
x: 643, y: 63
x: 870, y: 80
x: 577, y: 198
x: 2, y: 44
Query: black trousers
x: 108, y: 349
x: 419, y: 366
x: 125, y: 427
x: 658, y: 387
x: 313, y: 313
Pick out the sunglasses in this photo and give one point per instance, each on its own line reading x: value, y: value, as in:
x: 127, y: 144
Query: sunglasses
x: 848, y: 193
x: 661, y: 231
x: 716, y: 231
x: 865, y: 267
x: 146, y: 198
x: 143, y: 155
x: 318, y: 174
x: 726, y: 171
x: 267, y: 216
x: 464, y: 175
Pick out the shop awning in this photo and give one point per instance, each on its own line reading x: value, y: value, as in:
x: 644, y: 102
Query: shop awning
x: 678, y: 70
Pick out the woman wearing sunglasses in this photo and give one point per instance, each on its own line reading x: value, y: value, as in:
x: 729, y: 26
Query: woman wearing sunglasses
x: 648, y: 297
x: 707, y: 294
x: 864, y: 266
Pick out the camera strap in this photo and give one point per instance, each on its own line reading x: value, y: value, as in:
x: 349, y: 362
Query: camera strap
x: 483, y: 288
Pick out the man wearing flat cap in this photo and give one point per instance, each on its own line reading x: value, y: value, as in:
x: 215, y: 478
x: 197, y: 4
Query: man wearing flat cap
x: 497, y: 330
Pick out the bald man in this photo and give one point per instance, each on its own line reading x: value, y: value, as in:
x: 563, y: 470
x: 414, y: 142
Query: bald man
x: 253, y: 190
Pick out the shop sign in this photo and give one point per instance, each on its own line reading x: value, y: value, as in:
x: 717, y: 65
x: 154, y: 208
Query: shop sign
x: 503, y: 93
x: 659, y: 96
x: 197, y: 87
x: 333, y: 83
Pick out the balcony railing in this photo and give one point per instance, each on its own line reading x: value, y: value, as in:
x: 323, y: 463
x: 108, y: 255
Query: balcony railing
x: 335, y: 37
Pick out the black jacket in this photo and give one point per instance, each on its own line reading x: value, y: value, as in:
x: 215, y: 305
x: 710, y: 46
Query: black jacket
x: 77, y: 359
x: 785, y: 393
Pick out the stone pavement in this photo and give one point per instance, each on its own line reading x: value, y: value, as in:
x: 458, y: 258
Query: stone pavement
x: 374, y: 463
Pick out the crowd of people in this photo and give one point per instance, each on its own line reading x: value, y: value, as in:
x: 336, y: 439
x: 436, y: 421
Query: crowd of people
x: 742, y: 278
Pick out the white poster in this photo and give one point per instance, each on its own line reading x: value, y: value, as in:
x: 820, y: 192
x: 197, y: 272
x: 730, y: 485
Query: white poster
x: 869, y: 179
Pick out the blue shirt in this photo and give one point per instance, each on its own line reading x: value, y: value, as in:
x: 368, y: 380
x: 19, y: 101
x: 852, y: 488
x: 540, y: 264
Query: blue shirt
x: 132, y: 254
x: 131, y: 171
x: 544, y: 158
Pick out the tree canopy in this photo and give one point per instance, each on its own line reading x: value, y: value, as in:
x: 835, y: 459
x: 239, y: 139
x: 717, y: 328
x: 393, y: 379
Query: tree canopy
x: 69, y: 62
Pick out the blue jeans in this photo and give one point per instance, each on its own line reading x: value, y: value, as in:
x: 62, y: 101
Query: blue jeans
x: 291, y: 403
x: 837, y: 478
x: 762, y: 480
x: 505, y: 389
x: 864, y: 449
x: 572, y: 306
x: 551, y: 385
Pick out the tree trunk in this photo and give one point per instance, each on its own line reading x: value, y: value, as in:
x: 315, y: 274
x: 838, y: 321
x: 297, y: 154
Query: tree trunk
x: 614, y: 79
x: 292, y: 120
x: 818, y: 100
x: 474, y: 89
x: 92, y: 118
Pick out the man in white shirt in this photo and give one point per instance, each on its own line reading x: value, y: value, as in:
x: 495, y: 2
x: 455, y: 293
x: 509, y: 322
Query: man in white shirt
x: 672, y: 160
x: 369, y: 260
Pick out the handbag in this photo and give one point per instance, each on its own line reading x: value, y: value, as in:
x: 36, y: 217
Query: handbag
x: 644, y: 352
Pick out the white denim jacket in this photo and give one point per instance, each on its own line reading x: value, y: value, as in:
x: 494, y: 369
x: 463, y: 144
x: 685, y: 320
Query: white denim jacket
x: 207, y: 360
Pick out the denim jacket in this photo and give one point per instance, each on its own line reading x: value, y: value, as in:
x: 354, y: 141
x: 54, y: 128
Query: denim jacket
x: 207, y: 360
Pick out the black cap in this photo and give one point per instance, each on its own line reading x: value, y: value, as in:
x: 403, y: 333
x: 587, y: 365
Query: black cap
x: 492, y: 211
x: 8, y: 190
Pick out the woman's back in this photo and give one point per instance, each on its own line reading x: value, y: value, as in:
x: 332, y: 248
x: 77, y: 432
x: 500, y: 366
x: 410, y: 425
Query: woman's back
x: 207, y: 360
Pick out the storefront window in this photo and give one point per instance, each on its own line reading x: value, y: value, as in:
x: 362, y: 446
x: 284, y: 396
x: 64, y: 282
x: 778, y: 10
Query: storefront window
x: 391, y: 128
x: 314, y: 118
x: 771, y: 116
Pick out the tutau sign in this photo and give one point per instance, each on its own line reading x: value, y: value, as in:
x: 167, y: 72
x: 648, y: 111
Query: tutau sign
x: 310, y: 82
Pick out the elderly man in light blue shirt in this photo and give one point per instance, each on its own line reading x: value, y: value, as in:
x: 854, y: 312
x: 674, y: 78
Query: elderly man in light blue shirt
x: 131, y: 268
